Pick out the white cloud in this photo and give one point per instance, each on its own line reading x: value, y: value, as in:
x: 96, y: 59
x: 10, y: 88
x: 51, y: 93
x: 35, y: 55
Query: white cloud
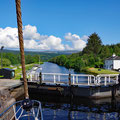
x: 70, y: 37
x: 30, y: 32
x: 54, y: 43
x: 9, y: 37
x: 44, y: 42
x: 85, y: 38
x: 77, y: 42
x: 33, y: 40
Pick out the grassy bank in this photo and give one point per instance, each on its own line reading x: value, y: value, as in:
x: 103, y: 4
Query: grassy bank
x: 18, y: 69
x: 100, y: 71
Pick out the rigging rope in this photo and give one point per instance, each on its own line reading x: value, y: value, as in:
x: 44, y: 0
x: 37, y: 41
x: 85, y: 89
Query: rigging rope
x: 21, y: 44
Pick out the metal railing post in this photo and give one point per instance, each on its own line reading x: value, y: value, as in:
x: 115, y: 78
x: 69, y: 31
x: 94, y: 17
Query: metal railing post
x: 73, y: 79
x: 116, y: 79
x: 95, y: 80
x: 37, y: 77
x: 109, y: 78
x: 54, y: 79
x: 119, y: 79
x: 77, y: 79
x: 88, y: 81
x: 43, y: 77
x: 105, y: 82
x: 1, y: 56
x: 69, y: 78
x: 59, y: 78
x: 40, y: 76
x: 30, y: 77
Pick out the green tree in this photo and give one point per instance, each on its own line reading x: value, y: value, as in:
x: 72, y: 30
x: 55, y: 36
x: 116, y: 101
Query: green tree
x: 79, y: 64
x: 68, y: 64
x: 29, y: 59
x: 94, y: 45
x: 63, y: 59
x: 91, y: 61
x: 105, y: 52
x: 5, y: 62
x: 116, y: 49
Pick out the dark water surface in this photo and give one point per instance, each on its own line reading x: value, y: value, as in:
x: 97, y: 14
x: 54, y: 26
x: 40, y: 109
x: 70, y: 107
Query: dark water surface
x: 56, y: 108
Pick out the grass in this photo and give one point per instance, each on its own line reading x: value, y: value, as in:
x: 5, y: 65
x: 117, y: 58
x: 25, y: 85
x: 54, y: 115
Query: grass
x: 1, y: 76
x: 18, y: 70
x: 101, y: 71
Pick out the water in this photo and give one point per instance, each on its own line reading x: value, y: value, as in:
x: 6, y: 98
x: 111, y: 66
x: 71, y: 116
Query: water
x: 48, y: 67
x: 56, y: 108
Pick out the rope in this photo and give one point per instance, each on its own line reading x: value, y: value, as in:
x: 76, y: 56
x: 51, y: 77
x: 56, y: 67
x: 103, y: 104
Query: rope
x: 21, y: 44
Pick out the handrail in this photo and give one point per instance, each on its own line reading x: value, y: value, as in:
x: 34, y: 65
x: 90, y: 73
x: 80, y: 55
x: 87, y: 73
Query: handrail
x: 9, y: 108
x: 75, y: 78
x: 19, y: 102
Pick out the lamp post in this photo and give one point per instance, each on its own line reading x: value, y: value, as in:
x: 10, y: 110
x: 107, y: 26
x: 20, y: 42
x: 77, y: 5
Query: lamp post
x: 39, y: 59
x: 1, y: 55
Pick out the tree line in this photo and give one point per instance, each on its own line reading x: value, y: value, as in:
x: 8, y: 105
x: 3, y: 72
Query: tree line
x: 13, y: 57
x: 93, y: 55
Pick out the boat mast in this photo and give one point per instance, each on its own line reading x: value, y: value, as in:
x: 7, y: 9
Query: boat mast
x: 21, y: 44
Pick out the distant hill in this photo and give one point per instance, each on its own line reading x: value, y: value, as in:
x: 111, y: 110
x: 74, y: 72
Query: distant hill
x: 42, y: 52
x: 32, y: 56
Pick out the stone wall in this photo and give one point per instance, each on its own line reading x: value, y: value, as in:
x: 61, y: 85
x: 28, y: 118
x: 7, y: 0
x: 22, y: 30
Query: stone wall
x: 5, y: 101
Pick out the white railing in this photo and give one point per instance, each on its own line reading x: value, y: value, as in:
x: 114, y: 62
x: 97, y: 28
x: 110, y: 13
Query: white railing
x: 107, y: 78
x: 82, y: 78
x: 75, y: 79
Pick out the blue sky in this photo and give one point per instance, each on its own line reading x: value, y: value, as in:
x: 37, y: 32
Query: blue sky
x: 61, y: 18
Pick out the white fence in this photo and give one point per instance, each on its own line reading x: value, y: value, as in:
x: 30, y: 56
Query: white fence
x: 75, y: 79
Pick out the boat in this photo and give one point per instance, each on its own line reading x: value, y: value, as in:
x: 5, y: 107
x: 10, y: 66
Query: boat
x: 25, y: 109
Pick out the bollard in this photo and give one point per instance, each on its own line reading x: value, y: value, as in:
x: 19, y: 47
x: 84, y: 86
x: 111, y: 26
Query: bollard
x: 40, y: 76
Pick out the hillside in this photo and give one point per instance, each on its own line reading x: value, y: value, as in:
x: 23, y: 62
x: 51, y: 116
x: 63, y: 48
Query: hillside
x: 13, y: 56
